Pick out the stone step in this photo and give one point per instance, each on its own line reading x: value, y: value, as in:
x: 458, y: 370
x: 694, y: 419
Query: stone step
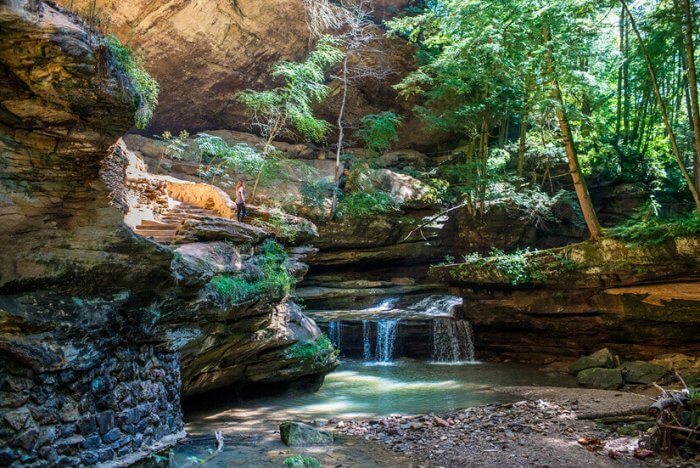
x: 158, y: 227
x: 156, y: 232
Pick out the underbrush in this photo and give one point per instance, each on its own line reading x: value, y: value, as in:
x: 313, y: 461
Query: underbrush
x: 366, y: 203
x: 518, y: 268
x: 656, y: 230
x: 144, y: 85
x: 272, y: 279
x: 319, y: 350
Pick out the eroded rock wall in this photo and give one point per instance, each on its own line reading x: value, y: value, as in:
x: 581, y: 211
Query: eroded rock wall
x: 214, y: 49
x: 640, y: 301
x: 95, y: 329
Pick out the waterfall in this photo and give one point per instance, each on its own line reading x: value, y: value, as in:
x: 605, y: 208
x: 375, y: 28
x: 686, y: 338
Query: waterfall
x: 453, y: 340
x: 335, y: 329
x: 366, y: 342
x: 386, y: 338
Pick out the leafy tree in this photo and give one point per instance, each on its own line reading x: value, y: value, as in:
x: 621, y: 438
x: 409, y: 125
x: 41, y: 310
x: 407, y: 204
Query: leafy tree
x: 289, y: 109
x: 378, y: 131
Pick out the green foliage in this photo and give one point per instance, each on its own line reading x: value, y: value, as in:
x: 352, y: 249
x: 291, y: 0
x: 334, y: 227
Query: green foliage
x: 316, y: 192
x: 144, y: 85
x: 282, y: 225
x: 366, y: 203
x: 378, y: 131
x: 292, y: 104
x: 655, y: 230
x: 241, y: 158
x: 319, y: 350
x: 301, y: 461
x: 520, y: 267
x: 271, y: 279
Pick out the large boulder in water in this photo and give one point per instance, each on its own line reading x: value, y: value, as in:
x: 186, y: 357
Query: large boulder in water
x: 296, y: 434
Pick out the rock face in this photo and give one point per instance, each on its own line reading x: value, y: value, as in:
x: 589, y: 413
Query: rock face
x: 586, y: 296
x: 217, y: 48
x: 100, y: 328
x: 80, y: 380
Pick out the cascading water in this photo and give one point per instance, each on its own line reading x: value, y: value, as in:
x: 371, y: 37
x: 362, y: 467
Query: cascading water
x: 366, y: 340
x: 453, y: 340
x: 386, y: 339
x: 335, y: 333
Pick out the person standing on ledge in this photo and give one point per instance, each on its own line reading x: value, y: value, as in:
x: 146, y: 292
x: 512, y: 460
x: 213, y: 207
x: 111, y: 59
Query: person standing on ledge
x: 240, y: 200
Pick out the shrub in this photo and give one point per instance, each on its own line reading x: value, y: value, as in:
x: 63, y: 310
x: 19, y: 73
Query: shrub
x: 520, y: 267
x: 378, y: 131
x: 655, y: 230
x: 359, y: 204
x: 316, y: 192
x: 273, y: 279
x: 319, y: 350
x: 144, y: 85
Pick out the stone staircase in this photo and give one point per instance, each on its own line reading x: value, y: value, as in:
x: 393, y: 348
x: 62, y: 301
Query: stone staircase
x: 165, y: 228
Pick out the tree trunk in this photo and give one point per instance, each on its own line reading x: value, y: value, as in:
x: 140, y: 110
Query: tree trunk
x: 618, y: 114
x: 693, y: 87
x: 625, y: 84
x: 662, y: 108
x: 584, y: 198
x: 341, y: 135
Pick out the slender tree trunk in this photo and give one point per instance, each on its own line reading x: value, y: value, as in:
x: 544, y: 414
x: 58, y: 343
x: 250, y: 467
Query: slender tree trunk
x: 584, y: 198
x: 483, y: 155
x: 662, y: 108
x: 693, y: 87
x: 625, y: 84
x: 618, y: 115
x: 341, y: 136
x: 522, y: 144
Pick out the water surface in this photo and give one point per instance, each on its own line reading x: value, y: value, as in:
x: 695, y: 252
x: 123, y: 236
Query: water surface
x: 369, y: 389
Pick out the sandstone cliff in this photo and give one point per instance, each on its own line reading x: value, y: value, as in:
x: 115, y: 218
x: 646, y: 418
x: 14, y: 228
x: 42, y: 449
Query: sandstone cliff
x: 101, y: 328
x: 217, y: 48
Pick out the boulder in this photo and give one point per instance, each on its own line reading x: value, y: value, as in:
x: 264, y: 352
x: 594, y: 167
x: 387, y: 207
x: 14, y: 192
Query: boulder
x: 602, y: 358
x: 296, y: 434
x: 606, y: 379
x: 642, y: 372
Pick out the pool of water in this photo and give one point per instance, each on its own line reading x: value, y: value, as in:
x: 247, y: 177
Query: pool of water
x: 368, y: 389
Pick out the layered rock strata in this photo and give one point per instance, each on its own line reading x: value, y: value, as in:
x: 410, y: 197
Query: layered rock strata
x: 639, y: 301
x: 100, y: 329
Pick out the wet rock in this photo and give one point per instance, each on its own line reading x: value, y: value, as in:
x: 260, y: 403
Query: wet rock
x: 27, y: 439
x: 296, y: 434
x: 602, y: 358
x: 18, y: 419
x: 112, y: 435
x: 105, y: 421
x: 607, y: 379
x: 92, y: 442
x: 642, y: 372
x: 7, y: 456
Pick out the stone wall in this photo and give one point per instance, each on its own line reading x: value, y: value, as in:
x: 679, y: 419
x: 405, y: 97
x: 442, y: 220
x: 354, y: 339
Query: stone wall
x: 125, y: 402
